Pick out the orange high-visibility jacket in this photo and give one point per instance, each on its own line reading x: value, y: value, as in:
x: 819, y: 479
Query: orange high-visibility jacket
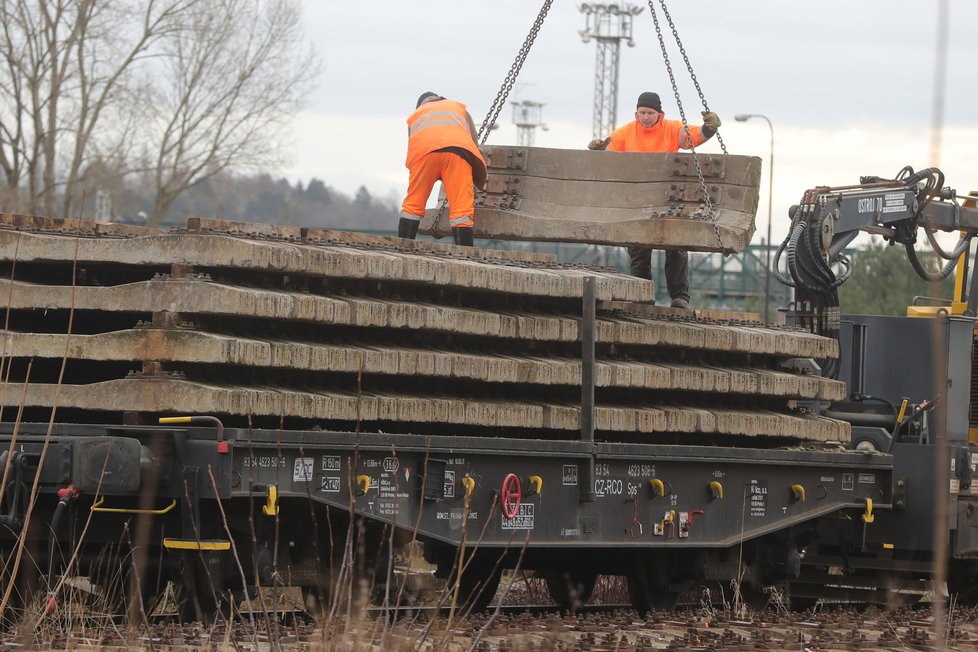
x: 664, y: 136
x: 440, y: 124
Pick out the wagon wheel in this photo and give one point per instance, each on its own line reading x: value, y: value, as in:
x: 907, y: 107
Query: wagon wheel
x: 201, y: 596
x: 477, y: 587
x: 23, y: 590
x: 648, y: 585
x: 570, y: 589
x: 478, y: 584
x: 755, y: 599
x: 317, y: 597
x: 800, y: 603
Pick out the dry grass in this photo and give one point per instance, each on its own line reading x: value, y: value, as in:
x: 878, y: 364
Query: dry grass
x: 85, y: 616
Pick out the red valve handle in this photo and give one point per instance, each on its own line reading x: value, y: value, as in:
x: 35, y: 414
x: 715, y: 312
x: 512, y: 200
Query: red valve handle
x: 510, y: 496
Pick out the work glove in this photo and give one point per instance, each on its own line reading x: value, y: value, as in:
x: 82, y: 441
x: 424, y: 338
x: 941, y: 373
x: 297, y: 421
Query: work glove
x: 599, y: 144
x: 711, y: 120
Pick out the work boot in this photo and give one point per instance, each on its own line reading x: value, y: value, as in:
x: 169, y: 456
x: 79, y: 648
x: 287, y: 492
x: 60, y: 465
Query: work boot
x: 463, y: 236
x: 408, y: 228
x: 680, y: 302
x: 677, y: 274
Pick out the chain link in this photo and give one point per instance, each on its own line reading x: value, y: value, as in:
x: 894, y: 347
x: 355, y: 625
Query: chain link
x: 507, y: 86
x: 682, y: 112
x: 689, y: 67
x: 514, y: 71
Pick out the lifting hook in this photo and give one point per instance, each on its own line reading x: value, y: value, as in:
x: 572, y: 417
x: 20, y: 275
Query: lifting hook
x: 658, y: 487
x: 270, y: 508
x: 469, y: 483
x: 716, y: 489
x: 799, y: 492
x: 363, y: 484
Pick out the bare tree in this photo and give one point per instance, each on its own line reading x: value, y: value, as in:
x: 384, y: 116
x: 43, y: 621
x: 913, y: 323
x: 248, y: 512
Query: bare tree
x: 94, y: 91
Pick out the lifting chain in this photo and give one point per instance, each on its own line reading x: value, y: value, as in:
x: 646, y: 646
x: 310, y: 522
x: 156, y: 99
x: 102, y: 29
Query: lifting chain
x: 500, y: 101
x: 689, y: 67
x: 514, y: 71
x: 682, y: 113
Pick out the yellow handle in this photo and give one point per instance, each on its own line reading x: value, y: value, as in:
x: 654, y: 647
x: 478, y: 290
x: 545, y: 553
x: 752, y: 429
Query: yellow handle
x: 187, y: 544
x: 165, y: 420
x: 270, y: 508
x: 537, y: 483
x: 222, y: 446
x: 799, y: 492
x: 868, y: 516
x: 668, y: 520
x: 658, y: 487
x: 363, y: 481
x: 97, y: 507
x: 717, y: 489
x: 469, y: 483
x: 903, y: 410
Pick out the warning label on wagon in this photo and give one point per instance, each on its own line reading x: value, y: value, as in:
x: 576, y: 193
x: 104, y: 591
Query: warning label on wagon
x: 758, y: 499
x: 523, y: 519
x: 569, y: 475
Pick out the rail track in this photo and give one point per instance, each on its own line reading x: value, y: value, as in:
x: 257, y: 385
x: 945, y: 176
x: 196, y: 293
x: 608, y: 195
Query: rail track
x: 543, y: 628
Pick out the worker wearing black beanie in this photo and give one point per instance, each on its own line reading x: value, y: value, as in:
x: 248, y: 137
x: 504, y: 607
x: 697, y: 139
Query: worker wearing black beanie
x: 652, y: 132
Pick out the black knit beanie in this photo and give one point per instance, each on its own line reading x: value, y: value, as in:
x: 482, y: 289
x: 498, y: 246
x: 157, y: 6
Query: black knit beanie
x: 650, y: 100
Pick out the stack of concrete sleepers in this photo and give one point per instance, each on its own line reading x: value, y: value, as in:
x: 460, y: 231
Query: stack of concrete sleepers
x: 302, y: 328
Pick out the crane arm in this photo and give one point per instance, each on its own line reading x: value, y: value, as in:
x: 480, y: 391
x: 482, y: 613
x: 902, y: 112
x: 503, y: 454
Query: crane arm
x: 829, y: 218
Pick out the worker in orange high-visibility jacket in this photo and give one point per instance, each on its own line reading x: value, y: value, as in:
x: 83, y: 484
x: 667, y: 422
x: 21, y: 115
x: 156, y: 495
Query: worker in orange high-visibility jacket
x: 442, y: 146
x: 651, y: 132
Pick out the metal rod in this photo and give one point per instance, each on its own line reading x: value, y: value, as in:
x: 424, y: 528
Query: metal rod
x: 587, y: 361
x: 743, y: 117
x: 588, y: 320
x: 968, y: 283
x: 858, y: 383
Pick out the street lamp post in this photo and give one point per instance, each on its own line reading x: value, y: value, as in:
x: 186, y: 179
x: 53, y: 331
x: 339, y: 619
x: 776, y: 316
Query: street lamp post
x: 744, y: 117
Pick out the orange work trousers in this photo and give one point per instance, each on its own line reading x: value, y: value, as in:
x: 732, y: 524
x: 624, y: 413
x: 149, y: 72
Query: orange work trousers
x: 455, y: 174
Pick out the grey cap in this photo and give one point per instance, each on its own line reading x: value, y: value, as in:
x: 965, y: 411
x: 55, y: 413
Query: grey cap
x: 425, y: 96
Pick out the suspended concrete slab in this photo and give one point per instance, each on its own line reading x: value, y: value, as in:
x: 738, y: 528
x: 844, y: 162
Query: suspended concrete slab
x: 614, y: 198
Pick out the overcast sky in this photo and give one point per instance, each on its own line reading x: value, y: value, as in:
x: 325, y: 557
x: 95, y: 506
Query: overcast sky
x: 847, y: 84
